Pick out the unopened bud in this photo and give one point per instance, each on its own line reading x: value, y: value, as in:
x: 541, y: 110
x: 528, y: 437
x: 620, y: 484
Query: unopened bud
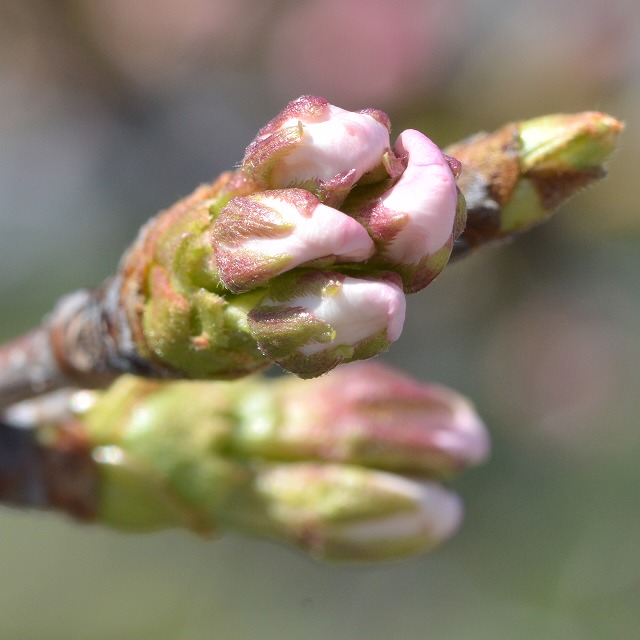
x: 311, y: 322
x: 514, y: 178
x: 337, y: 512
x: 344, y: 467
x: 260, y: 236
x: 314, y: 145
x: 564, y: 143
x: 372, y: 415
x: 416, y: 221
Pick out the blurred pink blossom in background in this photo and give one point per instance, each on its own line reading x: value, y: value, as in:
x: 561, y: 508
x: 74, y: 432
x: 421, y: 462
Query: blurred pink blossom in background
x: 362, y: 52
x: 160, y: 41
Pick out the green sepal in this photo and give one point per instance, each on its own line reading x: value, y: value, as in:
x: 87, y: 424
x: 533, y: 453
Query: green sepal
x: 203, y: 336
x: 567, y: 143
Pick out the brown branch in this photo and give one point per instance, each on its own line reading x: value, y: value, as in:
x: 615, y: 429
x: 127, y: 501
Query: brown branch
x: 83, y: 342
x: 55, y: 473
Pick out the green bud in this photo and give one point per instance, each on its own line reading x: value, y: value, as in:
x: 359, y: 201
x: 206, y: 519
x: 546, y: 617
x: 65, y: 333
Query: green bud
x: 342, y: 513
x: 181, y: 316
x: 158, y: 453
x: 568, y: 143
x: 515, y: 177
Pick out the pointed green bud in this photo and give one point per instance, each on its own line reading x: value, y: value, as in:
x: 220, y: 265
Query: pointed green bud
x: 564, y: 143
x: 559, y: 155
x: 515, y: 177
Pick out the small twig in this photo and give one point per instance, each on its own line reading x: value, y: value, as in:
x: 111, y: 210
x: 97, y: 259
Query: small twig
x: 59, y: 475
x: 83, y: 342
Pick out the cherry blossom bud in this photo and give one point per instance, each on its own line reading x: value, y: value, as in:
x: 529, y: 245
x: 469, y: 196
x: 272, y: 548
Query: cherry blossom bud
x: 416, y: 221
x: 338, y: 512
x: 260, y: 236
x: 308, y: 323
x: 369, y: 414
x: 323, y: 148
x: 344, y: 467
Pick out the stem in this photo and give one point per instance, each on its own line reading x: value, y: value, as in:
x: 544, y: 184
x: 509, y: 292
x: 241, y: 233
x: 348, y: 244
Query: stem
x: 59, y: 475
x: 28, y: 367
x: 68, y: 343
x: 84, y: 342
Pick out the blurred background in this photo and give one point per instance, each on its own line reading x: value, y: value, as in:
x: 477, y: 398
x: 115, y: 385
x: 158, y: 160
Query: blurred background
x: 113, y: 109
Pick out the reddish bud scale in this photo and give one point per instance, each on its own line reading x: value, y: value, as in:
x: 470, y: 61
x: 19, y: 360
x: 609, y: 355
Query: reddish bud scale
x: 258, y: 237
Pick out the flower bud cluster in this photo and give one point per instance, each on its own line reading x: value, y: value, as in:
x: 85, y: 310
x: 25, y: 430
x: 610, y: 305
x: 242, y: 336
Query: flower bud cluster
x: 346, y: 467
x: 303, y: 255
x: 341, y: 226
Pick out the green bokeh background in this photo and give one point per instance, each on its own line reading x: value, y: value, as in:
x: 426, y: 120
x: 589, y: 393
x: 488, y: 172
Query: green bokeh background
x: 111, y: 110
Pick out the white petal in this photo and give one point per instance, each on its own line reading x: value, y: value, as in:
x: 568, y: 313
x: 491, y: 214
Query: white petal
x: 327, y: 232
x: 344, y: 142
x: 427, y: 193
x: 436, y: 516
x: 359, y: 309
